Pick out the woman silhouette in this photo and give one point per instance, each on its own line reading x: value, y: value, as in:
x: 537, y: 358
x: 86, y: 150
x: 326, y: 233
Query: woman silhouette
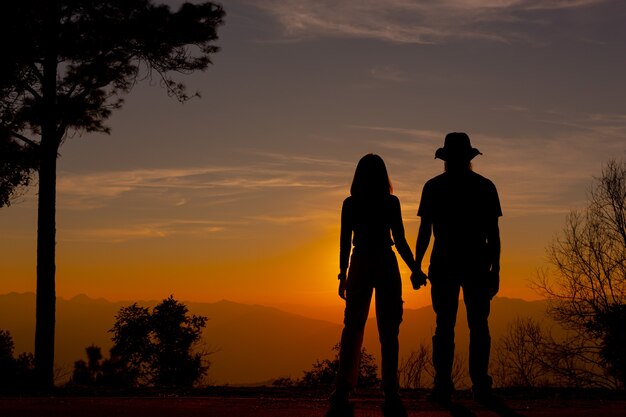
x: 368, y: 216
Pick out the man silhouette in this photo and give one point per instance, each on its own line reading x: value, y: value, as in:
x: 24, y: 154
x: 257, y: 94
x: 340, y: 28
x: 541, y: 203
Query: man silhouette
x: 461, y: 208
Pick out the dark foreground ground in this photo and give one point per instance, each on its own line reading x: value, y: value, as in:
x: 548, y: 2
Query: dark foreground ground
x: 264, y: 405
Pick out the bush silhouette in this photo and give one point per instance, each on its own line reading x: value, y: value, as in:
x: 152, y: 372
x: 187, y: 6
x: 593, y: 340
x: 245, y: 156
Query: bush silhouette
x: 16, y: 374
x: 150, y: 348
x: 324, y: 372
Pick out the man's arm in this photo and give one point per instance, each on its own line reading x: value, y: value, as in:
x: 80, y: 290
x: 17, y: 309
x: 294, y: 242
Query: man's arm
x: 418, y: 278
x: 493, y: 250
x: 423, y: 240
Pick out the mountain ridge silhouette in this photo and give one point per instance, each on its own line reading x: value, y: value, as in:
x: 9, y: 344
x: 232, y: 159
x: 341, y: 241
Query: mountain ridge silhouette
x: 251, y: 342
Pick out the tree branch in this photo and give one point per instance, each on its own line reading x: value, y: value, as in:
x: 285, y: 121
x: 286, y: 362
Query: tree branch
x: 24, y: 139
x: 36, y: 71
x: 31, y: 90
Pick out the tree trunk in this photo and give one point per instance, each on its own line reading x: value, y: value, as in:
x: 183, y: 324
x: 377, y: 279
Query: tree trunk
x: 46, y: 293
x: 46, y: 220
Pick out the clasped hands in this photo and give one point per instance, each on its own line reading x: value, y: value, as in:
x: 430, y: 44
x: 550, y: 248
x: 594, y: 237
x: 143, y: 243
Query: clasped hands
x: 418, y: 279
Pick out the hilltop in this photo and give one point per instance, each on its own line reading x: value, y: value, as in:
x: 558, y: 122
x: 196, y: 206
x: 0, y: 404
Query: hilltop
x: 250, y: 343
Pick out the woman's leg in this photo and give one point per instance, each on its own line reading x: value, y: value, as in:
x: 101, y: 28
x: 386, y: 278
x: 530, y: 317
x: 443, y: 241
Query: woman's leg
x: 388, y: 317
x: 358, y: 297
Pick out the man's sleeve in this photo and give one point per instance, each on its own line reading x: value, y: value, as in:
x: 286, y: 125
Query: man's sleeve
x: 494, y: 200
x: 425, y: 209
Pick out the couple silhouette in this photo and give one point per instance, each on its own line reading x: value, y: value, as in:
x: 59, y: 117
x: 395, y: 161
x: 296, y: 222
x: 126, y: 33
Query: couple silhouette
x: 460, y: 208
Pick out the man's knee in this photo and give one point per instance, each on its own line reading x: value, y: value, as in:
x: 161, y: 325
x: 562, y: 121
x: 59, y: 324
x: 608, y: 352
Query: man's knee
x: 477, y: 314
x: 445, y: 324
x: 353, y: 317
x: 443, y: 335
x: 389, y: 343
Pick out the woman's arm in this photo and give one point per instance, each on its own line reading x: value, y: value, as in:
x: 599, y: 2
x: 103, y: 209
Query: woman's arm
x: 397, y: 230
x: 345, y: 238
x: 345, y: 245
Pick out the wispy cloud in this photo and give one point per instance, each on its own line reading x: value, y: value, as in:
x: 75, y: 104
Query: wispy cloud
x: 389, y: 73
x: 219, y: 200
x: 91, y: 190
x: 536, y: 175
x: 408, y: 21
x: 114, y: 183
x: 146, y: 230
x: 287, y: 220
x: 601, y: 125
x: 420, y: 135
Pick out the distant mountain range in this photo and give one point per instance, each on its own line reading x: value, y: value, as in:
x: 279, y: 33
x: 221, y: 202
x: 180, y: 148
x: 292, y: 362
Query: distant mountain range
x: 251, y: 343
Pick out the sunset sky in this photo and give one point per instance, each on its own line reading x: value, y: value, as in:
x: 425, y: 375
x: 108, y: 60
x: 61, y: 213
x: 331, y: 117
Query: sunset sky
x: 237, y: 195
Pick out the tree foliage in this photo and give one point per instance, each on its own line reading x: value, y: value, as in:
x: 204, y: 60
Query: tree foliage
x: 613, y: 346
x: 89, y: 372
x: 132, y: 348
x: 18, y: 164
x: 97, y: 51
x: 78, y: 58
x: 174, y: 334
x: 587, y: 286
x: 16, y: 373
x: 65, y: 68
x: 156, y: 348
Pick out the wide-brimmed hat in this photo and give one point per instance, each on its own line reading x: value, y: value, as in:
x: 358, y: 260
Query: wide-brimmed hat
x: 457, y: 147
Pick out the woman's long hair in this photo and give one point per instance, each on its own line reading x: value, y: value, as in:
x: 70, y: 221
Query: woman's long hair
x: 371, y: 178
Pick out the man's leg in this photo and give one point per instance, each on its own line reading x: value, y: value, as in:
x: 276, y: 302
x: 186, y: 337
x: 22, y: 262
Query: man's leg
x: 477, y: 303
x: 445, y: 299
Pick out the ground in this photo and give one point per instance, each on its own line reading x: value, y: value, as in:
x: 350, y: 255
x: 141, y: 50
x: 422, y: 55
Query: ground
x: 266, y: 406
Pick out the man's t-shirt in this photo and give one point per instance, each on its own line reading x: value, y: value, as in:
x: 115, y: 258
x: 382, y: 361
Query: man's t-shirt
x: 460, y: 205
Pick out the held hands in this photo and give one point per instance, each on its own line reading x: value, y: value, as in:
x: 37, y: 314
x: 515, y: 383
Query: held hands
x: 418, y: 279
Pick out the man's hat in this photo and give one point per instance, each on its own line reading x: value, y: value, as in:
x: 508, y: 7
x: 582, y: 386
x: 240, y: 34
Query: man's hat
x: 457, y: 147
